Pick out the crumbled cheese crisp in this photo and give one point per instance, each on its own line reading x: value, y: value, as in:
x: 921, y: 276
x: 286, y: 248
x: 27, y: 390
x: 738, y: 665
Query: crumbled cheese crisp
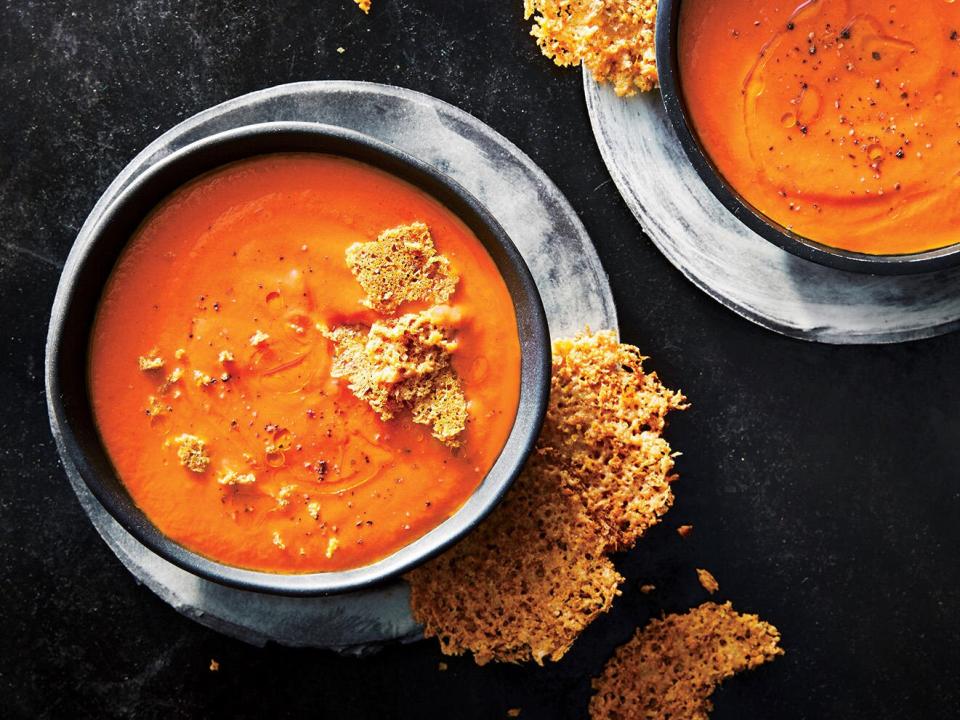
x: 707, y: 580
x: 332, y: 545
x: 513, y: 712
x: 259, y: 338
x: 192, y: 452
x: 232, y: 477
x: 150, y: 362
x: 405, y: 364
x: 214, y: 666
x: 278, y: 541
x: 363, y: 5
x: 175, y: 375
x: 647, y: 588
x: 180, y: 352
x: 536, y: 573
x: 401, y: 265
x: 226, y: 356
x: 313, y: 509
x: 684, y: 530
x: 672, y: 666
x: 614, y: 39
x: 201, y: 378
x: 283, y: 495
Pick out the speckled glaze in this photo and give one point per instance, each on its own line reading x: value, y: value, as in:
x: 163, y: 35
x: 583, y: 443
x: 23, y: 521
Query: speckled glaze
x: 531, y: 210
x: 736, y: 266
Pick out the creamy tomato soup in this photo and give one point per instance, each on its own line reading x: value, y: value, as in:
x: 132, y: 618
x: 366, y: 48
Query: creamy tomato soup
x: 211, y: 381
x: 839, y: 119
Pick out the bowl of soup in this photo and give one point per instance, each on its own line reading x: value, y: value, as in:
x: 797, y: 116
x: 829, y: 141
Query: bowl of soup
x: 832, y: 129
x: 293, y: 359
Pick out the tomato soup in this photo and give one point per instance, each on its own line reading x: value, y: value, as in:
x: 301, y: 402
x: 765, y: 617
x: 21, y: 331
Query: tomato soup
x: 296, y: 474
x: 839, y: 119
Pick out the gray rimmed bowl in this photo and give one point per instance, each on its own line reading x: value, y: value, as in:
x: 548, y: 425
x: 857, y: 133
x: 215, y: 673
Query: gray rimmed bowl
x: 668, y: 66
x: 97, y: 249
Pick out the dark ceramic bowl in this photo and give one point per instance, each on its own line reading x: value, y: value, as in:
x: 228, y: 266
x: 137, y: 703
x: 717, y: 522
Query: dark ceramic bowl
x: 97, y: 249
x: 668, y: 22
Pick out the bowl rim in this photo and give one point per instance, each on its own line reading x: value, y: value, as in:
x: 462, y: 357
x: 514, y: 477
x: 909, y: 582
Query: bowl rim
x: 71, y: 416
x: 667, y: 51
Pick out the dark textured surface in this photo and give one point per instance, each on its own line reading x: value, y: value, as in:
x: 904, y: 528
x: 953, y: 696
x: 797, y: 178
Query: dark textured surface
x: 823, y: 482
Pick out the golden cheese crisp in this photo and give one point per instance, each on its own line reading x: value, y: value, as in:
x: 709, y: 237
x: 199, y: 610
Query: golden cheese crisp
x: 521, y: 587
x: 534, y: 575
x: 363, y: 5
x: 603, y: 434
x: 671, y: 667
x: 614, y: 39
x: 401, y: 265
x: 404, y: 364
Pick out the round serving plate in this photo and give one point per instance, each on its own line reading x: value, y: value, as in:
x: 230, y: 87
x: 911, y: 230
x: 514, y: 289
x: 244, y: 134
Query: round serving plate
x: 736, y: 266
x: 535, y: 215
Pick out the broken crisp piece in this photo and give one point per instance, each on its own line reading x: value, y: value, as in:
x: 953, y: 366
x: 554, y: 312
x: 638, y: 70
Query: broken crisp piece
x: 707, y: 581
x: 149, y: 362
x: 363, y: 5
x: 401, y: 265
x: 192, y: 452
x: 404, y: 364
x: 534, y: 575
x: 603, y: 434
x: 232, y: 477
x: 523, y: 585
x: 614, y: 39
x: 671, y: 667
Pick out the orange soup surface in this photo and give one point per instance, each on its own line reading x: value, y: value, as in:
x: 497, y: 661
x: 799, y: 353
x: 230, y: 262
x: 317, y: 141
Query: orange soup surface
x: 258, y: 247
x: 839, y: 119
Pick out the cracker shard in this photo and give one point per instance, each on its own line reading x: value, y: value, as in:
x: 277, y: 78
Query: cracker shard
x: 534, y: 575
x: 614, y: 39
x: 401, y: 265
x: 603, y: 435
x: 404, y: 364
x: 671, y: 667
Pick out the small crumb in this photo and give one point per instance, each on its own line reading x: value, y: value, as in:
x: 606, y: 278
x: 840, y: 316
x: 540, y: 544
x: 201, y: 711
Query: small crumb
x: 192, y: 452
x: 179, y: 353
x: 201, y: 378
x: 442, y: 667
x: 214, y: 666
x: 175, y: 375
x: 363, y: 5
x: 513, y: 712
x: 278, y: 541
x: 232, y: 477
x: 258, y: 338
x: 341, y: 50
x: 647, y: 588
x: 283, y: 495
x: 149, y: 362
x: 684, y: 530
x: 332, y: 545
x: 225, y: 356
x: 708, y: 581
x: 313, y: 509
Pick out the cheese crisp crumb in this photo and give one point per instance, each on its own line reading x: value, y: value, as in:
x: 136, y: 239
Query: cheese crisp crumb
x: 225, y: 356
x: 313, y: 509
x: 192, y: 452
x: 278, y: 541
x: 150, y: 362
x: 175, y: 375
x: 283, y: 495
x: 258, y: 338
x: 614, y: 39
x: 405, y: 364
x: 332, y: 545
x: 201, y: 378
x: 179, y: 353
x: 672, y: 666
x: 363, y: 5
x: 707, y: 580
x: 232, y: 477
x: 401, y: 265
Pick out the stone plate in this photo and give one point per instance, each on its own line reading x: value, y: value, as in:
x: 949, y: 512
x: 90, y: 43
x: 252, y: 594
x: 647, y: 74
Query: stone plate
x: 531, y: 209
x: 737, y: 267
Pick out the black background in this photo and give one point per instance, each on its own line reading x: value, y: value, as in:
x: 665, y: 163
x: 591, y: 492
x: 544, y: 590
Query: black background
x: 822, y: 482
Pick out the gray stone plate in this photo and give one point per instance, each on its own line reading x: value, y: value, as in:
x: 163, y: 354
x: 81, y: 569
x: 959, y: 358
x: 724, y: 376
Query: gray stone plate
x: 737, y: 267
x: 531, y: 209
